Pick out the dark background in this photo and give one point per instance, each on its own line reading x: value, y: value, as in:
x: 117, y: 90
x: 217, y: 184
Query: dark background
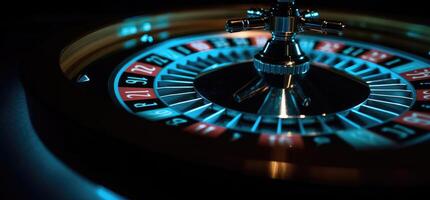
x: 25, y: 20
x: 18, y: 9
x: 25, y: 26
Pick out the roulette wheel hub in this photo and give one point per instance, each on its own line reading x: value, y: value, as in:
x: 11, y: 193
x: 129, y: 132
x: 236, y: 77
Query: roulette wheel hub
x: 282, y: 64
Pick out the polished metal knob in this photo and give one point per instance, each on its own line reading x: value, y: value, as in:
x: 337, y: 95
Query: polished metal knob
x: 282, y: 54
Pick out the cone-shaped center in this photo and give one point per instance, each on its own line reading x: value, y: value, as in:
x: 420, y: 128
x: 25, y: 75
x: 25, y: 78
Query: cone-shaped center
x: 322, y: 90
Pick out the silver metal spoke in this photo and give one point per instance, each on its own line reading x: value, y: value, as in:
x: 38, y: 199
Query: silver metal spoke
x: 396, y: 92
x: 376, y: 76
x: 233, y: 122
x: 389, y: 103
x: 355, y: 67
x: 198, y: 110
x: 365, y: 72
x: 347, y: 121
x: 215, y: 116
x: 189, y: 68
x: 185, y: 102
x: 380, y: 111
x: 383, y: 81
x: 182, y: 72
x: 342, y: 64
x: 177, y: 94
x: 389, y: 86
x: 176, y: 77
x: 366, y: 116
x: 197, y: 65
x: 176, y: 87
x: 256, y: 124
x: 394, y: 98
x: 163, y: 83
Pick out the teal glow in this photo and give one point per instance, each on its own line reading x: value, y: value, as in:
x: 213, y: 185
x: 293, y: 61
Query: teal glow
x: 130, y: 43
x: 164, y: 35
x: 159, y: 114
x: 36, y: 164
x: 106, y: 194
x: 146, y: 27
x: 83, y: 78
x: 162, y: 22
x: 146, y: 38
x: 312, y: 15
x: 236, y: 136
x: 363, y: 139
x: 127, y: 30
x: 409, y: 67
x: 179, y: 57
x: 413, y: 34
x: 321, y: 140
x: 393, y: 62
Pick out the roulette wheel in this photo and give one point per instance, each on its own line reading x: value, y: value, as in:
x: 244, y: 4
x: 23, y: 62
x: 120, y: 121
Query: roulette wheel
x: 270, y: 99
